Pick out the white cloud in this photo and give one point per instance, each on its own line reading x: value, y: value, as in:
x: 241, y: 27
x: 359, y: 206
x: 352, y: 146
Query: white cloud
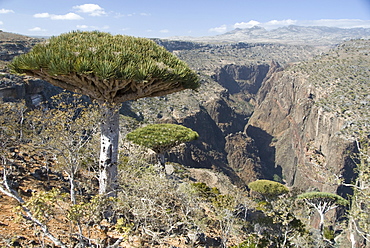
x: 69, y: 16
x: 249, y: 24
x: 276, y: 23
x: 1, y: 23
x: 36, y: 29
x: 281, y: 22
x: 41, y: 15
x: 221, y: 29
x: 164, y: 31
x: 6, y: 11
x: 91, y: 9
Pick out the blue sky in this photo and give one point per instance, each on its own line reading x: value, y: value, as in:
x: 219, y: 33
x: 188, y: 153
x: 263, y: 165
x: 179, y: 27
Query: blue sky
x: 167, y: 18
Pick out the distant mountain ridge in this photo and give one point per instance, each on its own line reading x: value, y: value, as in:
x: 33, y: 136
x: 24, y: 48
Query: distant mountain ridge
x: 312, y: 35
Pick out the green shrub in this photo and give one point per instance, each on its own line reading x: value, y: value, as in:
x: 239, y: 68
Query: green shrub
x: 328, y: 233
x: 268, y: 188
x: 203, y: 190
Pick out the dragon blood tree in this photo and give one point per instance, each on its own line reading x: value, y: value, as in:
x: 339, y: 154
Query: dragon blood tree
x: 161, y: 138
x: 110, y: 69
x: 322, y: 202
x: 268, y: 189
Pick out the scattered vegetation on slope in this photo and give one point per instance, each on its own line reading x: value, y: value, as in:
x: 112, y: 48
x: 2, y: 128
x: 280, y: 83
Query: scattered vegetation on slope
x: 343, y: 74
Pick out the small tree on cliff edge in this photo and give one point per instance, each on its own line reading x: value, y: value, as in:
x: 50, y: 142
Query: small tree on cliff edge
x: 322, y: 202
x: 268, y: 189
x: 110, y: 69
x: 161, y: 138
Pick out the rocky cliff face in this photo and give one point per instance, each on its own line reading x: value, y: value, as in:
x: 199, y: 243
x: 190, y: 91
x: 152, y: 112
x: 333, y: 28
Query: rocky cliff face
x: 299, y: 123
x: 13, y: 45
x: 215, y: 121
x: 300, y: 140
x: 246, y: 79
x: 12, y: 87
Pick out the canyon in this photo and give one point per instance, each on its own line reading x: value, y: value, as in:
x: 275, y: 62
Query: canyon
x: 256, y: 119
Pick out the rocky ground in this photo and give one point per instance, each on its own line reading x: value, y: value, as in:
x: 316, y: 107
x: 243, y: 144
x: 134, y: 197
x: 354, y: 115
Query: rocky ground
x: 28, y: 175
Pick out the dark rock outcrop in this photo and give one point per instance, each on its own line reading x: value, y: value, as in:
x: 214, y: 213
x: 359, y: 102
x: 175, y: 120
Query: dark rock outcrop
x: 209, y: 151
x: 12, y: 87
x: 242, y: 157
x: 242, y: 78
x: 34, y: 91
x: 225, y: 117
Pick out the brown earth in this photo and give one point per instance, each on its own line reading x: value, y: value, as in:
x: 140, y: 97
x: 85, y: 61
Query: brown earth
x: 28, y: 175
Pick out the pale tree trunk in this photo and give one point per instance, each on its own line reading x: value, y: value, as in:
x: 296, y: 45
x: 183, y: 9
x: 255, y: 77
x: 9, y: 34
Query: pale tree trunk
x: 352, y: 232
x: 109, y: 150
x: 321, y: 225
x: 72, y: 188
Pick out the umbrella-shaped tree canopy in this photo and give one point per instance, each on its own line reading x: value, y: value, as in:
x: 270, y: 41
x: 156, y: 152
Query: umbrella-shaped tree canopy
x: 162, y: 137
x: 322, y: 202
x: 330, y: 200
x: 268, y: 188
x: 108, y: 68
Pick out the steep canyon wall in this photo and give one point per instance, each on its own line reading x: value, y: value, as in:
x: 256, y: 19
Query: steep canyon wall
x: 307, y: 148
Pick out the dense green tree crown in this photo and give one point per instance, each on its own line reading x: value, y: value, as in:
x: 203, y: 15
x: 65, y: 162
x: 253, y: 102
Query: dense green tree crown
x: 323, y: 196
x: 107, y: 67
x: 162, y: 137
x: 268, y: 188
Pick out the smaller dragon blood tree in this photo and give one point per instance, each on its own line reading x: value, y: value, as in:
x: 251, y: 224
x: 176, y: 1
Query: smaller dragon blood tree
x: 161, y: 138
